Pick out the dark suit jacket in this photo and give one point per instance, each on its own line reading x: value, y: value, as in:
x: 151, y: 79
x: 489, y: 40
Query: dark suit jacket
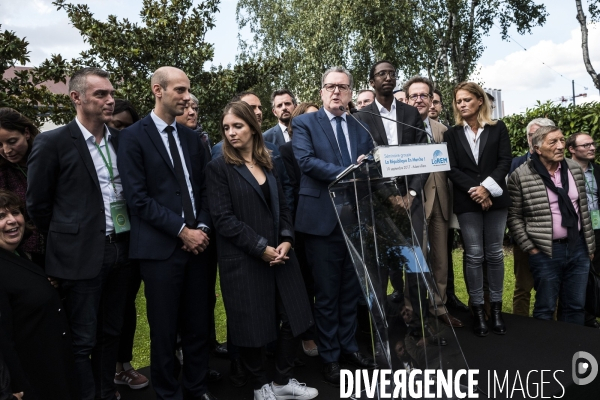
x: 494, y: 161
x: 293, y: 170
x: 517, y: 162
x: 406, y: 134
x: 151, y: 188
x: 318, y: 154
x: 245, y: 224
x: 274, y: 135
x: 34, y: 337
x: 64, y: 199
x: 288, y: 189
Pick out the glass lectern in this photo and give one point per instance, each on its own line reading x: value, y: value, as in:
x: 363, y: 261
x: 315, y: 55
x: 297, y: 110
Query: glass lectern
x: 386, y: 236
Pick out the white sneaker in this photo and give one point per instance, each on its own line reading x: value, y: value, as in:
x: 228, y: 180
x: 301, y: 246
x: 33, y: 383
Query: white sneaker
x: 265, y: 393
x: 294, y: 390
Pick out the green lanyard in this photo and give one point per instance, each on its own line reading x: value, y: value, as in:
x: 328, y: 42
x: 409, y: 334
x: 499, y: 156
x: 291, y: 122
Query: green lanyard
x: 587, y: 184
x: 108, y: 164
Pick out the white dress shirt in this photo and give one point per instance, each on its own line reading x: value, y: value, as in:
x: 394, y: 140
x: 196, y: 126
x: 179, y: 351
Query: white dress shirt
x: 284, y: 130
x: 474, y: 140
x: 106, y: 186
x: 344, y: 128
x: 391, y: 128
x: 161, y: 125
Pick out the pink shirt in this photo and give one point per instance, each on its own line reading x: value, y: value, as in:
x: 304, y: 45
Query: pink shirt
x: 559, y: 231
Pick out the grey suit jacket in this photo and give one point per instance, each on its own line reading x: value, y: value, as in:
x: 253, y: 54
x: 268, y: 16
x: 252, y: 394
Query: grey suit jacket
x: 275, y: 136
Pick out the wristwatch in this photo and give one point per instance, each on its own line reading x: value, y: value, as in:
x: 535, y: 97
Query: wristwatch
x: 412, y: 193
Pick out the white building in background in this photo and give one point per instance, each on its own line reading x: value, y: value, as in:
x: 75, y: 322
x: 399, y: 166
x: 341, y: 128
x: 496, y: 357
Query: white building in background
x: 498, y: 111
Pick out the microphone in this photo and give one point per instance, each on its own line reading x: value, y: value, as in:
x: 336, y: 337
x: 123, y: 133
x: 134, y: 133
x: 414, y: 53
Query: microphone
x: 342, y: 108
x: 354, y: 111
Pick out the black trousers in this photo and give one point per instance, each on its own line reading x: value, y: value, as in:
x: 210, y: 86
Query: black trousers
x: 130, y: 316
x: 176, y: 301
x: 287, y: 344
x: 95, y: 311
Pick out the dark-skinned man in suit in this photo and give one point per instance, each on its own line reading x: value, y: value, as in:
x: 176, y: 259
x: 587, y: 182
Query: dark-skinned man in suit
x: 162, y: 164
x: 410, y: 130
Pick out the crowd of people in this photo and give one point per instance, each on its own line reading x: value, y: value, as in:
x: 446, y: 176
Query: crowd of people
x: 92, y: 208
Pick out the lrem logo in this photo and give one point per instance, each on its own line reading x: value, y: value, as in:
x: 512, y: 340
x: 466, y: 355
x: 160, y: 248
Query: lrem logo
x: 438, y: 158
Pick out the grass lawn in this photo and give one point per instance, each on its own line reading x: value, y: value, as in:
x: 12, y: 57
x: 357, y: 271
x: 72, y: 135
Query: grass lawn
x: 141, y: 349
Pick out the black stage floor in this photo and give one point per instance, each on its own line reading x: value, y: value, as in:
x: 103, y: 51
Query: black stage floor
x: 529, y: 345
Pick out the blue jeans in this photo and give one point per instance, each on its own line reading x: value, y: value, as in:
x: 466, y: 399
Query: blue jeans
x: 476, y: 229
x: 564, y: 276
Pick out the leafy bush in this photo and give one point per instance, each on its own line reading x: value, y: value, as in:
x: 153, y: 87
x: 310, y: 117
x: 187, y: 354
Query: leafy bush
x: 570, y: 119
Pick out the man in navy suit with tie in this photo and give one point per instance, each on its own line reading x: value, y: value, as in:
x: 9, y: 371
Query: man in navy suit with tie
x: 162, y: 164
x: 325, y: 143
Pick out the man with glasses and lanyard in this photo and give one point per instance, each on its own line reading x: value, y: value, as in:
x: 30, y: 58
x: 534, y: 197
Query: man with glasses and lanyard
x: 583, y: 150
x: 325, y: 143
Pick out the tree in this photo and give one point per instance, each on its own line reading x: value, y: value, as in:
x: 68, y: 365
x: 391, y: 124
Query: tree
x: 438, y: 38
x: 25, y: 92
x: 594, y: 10
x: 170, y: 33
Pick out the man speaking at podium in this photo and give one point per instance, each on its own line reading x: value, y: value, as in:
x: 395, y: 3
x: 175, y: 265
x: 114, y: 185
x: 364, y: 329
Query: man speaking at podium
x: 325, y: 143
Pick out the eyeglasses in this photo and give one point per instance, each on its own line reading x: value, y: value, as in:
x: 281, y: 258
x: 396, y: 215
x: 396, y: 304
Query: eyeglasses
x: 382, y: 74
x: 586, y: 145
x: 436, y: 102
x: 330, y: 87
x: 414, y: 97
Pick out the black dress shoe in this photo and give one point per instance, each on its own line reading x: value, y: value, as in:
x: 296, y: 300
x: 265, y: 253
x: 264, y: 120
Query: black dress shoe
x: 331, y: 373
x: 359, y: 360
x: 208, y: 396
x: 480, y: 328
x: 213, y: 375
x: 237, y: 373
x: 498, y: 326
x: 454, y: 302
x: 220, y: 350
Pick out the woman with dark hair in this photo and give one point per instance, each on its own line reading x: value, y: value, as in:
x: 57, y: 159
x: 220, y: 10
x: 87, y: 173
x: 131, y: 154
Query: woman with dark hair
x: 124, y: 115
x: 34, y: 335
x: 260, y: 277
x: 480, y: 157
x: 293, y: 171
x: 16, y: 137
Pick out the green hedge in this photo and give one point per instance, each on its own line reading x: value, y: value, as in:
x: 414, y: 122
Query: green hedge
x: 570, y: 119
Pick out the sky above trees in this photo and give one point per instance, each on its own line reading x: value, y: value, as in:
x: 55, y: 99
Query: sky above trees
x: 523, y: 76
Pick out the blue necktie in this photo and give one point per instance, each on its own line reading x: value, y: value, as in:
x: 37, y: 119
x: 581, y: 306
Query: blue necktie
x: 341, y: 138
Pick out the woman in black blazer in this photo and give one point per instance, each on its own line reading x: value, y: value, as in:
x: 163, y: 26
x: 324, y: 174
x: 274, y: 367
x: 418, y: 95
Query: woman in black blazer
x: 34, y: 336
x: 480, y: 157
x: 260, y: 277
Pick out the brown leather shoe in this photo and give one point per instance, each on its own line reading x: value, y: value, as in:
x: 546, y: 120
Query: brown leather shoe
x: 450, y: 320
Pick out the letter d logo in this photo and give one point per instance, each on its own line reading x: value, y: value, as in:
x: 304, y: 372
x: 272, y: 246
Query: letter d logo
x: 580, y: 368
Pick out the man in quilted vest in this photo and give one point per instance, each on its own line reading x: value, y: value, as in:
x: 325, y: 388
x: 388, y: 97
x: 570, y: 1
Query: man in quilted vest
x: 549, y: 219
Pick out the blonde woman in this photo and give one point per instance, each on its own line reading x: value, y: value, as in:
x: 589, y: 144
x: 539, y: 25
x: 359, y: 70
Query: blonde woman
x: 480, y: 157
